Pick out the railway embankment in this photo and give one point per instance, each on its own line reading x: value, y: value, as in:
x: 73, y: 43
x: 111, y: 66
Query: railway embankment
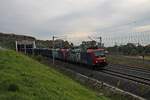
x: 22, y: 78
x: 109, y: 90
x: 120, y: 88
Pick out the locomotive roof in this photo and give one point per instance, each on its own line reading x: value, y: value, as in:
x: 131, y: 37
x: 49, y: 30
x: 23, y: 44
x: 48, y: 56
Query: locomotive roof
x: 91, y: 50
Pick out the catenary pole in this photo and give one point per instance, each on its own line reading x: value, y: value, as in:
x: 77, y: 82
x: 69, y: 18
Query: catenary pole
x: 53, y: 50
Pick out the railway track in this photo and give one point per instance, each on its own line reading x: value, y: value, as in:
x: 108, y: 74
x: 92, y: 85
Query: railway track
x: 130, y: 67
x: 138, y: 79
x: 127, y: 81
x: 134, y: 74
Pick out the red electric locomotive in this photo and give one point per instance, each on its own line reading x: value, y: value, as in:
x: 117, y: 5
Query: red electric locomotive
x: 91, y: 57
x: 98, y: 57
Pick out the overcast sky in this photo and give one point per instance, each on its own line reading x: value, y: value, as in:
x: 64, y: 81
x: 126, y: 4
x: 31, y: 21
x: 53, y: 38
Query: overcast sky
x: 74, y: 19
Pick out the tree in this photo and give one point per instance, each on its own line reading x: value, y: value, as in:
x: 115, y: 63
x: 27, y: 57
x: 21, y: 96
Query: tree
x: 140, y: 49
x: 133, y: 52
x: 147, y: 49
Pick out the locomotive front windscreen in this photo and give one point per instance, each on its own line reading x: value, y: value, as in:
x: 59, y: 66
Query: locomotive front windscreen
x: 99, y: 53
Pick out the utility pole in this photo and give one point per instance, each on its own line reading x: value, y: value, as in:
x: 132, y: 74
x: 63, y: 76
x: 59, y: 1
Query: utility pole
x: 53, y: 49
x: 100, y: 41
x: 16, y: 46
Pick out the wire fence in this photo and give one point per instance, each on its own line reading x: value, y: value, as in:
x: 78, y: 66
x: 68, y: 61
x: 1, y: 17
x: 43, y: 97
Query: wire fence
x: 142, y: 38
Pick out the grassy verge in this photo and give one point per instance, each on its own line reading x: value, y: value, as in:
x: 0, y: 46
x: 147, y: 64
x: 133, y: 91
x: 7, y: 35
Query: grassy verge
x: 22, y: 78
x: 130, y: 61
x: 147, y: 58
x: 101, y: 91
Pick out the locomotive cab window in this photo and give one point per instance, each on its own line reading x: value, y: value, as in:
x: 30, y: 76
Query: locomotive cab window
x: 100, y: 53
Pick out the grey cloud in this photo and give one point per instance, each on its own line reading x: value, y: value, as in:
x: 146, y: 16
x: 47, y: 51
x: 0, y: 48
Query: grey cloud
x: 40, y: 18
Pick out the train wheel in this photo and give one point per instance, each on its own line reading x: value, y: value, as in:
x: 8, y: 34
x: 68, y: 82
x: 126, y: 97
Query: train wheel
x: 94, y: 67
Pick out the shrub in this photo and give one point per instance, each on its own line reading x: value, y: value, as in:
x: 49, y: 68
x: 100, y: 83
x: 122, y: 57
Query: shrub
x: 13, y: 87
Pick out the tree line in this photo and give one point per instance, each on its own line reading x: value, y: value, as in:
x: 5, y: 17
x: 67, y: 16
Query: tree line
x: 130, y: 49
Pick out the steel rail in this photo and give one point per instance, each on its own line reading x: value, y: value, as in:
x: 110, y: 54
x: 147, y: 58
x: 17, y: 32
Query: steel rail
x: 127, y: 76
x: 130, y: 67
x: 133, y: 73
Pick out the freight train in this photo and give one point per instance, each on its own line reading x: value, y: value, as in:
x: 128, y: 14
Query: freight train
x: 91, y: 57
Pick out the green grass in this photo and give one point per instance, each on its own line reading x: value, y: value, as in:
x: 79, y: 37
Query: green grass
x: 135, y: 62
x: 22, y: 78
x: 147, y: 58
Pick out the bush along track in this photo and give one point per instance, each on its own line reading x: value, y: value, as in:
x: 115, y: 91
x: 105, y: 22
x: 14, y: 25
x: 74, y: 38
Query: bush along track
x: 22, y: 78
